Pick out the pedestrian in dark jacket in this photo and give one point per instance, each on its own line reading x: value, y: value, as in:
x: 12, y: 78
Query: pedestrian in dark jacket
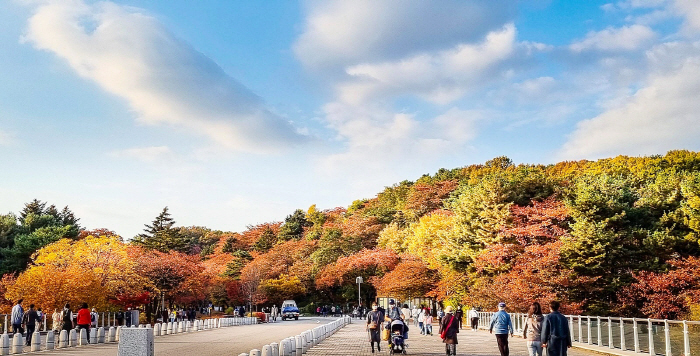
x: 374, y: 326
x: 32, y: 318
x: 449, y: 327
x: 556, y: 337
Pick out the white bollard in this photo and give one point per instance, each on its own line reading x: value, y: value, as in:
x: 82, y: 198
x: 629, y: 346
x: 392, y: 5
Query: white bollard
x: 63, y: 339
x: 50, y: 340
x: 168, y: 328
x: 93, y: 336
x: 254, y: 352
x: 156, y: 329
x: 101, y: 335
x: 72, y: 338
x: 293, y: 343
x: 83, y: 337
x: 17, y: 344
x: 117, y: 333
x: 299, y: 343
x: 196, y: 325
x: 36, y: 341
x: 112, y: 334
x: 266, y: 350
x: 5, y: 344
x: 284, y: 348
x: 275, y: 348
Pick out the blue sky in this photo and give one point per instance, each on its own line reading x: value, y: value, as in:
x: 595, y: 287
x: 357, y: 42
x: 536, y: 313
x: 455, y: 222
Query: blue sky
x: 238, y: 112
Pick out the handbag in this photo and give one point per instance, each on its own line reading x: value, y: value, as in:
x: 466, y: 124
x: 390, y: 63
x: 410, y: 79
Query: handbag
x: 373, y: 323
x: 443, y: 334
x: 385, y: 334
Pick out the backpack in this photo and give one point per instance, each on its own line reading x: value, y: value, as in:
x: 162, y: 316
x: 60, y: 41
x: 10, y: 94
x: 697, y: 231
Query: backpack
x: 93, y: 318
x: 66, y: 318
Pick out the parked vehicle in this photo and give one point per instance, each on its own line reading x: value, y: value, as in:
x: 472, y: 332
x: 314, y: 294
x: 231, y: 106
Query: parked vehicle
x: 290, y: 310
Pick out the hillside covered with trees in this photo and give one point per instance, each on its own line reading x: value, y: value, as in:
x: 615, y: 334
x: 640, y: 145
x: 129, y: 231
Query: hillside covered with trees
x: 616, y: 236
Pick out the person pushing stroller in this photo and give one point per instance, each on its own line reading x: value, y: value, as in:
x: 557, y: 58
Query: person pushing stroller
x: 397, y: 328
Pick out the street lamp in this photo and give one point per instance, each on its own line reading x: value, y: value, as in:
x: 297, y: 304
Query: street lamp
x: 359, y: 299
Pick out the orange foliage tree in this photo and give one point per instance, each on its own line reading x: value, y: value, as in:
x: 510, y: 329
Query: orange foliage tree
x: 410, y: 278
x: 366, y: 263
x: 425, y: 198
x: 95, y: 270
x: 526, y: 267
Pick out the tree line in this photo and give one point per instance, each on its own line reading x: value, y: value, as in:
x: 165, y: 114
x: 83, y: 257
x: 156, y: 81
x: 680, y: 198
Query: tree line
x: 617, y: 236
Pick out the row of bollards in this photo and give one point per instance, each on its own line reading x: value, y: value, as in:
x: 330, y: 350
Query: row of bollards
x: 300, y: 344
x: 15, y: 345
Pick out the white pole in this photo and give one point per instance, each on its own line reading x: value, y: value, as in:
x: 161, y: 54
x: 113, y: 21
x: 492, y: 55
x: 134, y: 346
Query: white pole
x: 636, y: 335
x: 600, y: 333
x: 650, y: 330
x: 622, y: 335
x: 667, y: 338
x: 611, y: 344
x: 686, y: 339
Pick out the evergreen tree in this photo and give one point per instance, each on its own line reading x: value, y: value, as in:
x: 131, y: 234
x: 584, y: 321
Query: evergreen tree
x: 161, y: 235
x: 266, y: 240
x: 293, y: 227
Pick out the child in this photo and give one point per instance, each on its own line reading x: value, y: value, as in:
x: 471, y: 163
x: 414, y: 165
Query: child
x: 428, y: 324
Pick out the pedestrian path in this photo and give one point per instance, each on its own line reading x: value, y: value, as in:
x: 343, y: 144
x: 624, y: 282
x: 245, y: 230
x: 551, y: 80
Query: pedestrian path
x: 352, y: 340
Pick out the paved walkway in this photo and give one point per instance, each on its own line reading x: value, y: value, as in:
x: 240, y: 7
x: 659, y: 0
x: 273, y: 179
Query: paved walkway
x: 226, y: 341
x: 352, y: 340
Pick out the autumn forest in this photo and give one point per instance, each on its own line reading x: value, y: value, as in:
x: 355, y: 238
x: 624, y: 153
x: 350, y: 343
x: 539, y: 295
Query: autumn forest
x: 617, y: 236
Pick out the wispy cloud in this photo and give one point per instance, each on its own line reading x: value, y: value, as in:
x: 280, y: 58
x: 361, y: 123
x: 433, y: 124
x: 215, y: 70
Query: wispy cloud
x: 625, y: 38
x: 132, y: 55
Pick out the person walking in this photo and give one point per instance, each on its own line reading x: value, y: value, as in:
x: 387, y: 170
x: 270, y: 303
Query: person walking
x: 120, y: 317
x: 449, y: 327
x: 555, y: 335
x: 374, y: 327
x: 406, y: 313
x: 421, y: 321
x: 532, y: 330
x: 17, y: 316
x: 30, y: 322
x: 67, y: 318
x: 56, y: 320
x: 393, y: 313
x: 474, y: 318
x: 459, y: 314
x: 84, y: 320
x: 501, y: 323
x: 94, y: 318
x: 415, y: 313
x: 428, y: 323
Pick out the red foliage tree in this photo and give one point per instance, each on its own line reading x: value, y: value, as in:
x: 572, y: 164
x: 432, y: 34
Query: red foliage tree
x: 663, y: 295
x: 366, y: 263
x: 425, y: 198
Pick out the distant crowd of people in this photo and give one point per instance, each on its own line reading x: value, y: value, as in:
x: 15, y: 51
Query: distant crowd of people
x: 540, y: 332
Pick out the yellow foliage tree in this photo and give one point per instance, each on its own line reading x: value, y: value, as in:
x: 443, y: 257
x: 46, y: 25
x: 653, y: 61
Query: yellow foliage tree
x: 94, y: 270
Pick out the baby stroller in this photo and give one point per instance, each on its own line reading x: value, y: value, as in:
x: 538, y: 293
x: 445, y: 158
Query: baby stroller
x: 399, y: 332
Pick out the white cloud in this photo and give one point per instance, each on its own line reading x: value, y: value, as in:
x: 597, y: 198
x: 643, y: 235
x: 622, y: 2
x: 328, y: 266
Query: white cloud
x: 145, y: 154
x: 627, y: 38
x: 691, y: 10
x: 659, y: 117
x: 439, y: 77
x: 339, y: 33
x: 165, y: 80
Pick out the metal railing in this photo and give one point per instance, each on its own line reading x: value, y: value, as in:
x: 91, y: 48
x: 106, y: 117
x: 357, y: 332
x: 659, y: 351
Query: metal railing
x: 642, y: 336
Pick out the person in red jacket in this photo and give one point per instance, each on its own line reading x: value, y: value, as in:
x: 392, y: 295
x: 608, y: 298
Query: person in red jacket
x: 84, y: 320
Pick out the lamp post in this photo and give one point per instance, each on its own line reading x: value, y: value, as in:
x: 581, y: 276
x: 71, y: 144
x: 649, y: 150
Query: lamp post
x: 359, y: 298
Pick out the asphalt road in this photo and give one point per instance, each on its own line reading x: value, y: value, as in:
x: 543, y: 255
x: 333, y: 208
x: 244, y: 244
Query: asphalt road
x: 217, y: 342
